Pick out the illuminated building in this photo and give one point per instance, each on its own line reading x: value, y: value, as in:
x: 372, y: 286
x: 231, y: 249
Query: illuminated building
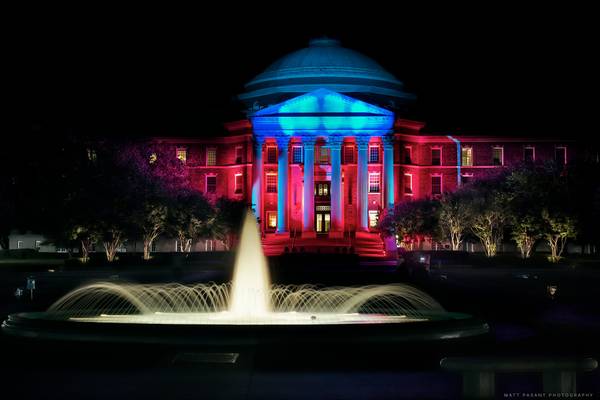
x: 325, y: 150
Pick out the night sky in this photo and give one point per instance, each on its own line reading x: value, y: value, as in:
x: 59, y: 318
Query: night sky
x: 498, y: 71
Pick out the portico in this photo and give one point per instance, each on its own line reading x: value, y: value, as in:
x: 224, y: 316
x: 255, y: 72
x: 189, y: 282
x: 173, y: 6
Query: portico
x: 338, y: 148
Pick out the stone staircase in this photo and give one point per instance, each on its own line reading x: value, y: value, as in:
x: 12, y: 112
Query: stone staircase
x: 365, y: 244
x: 370, y: 245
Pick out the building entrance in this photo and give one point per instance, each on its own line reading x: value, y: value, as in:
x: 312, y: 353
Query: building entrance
x: 322, y: 207
x: 323, y: 219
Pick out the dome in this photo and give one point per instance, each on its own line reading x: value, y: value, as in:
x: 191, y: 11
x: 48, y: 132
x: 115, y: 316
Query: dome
x: 323, y: 64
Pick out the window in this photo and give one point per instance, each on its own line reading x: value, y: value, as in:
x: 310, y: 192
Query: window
x: 373, y: 218
x: 348, y: 154
x: 211, y: 156
x: 239, y: 183
x: 465, y: 179
x: 239, y: 155
x: 374, y: 183
x: 466, y: 156
x: 271, y: 219
x: 497, y: 155
x: 408, y: 184
x: 373, y: 154
x: 271, y: 155
x: 322, y: 189
x: 211, y: 184
x: 38, y: 244
x: 323, y: 155
x: 19, y: 244
x: 407, y: 155
x: 529, y: 154
x: 297, y: 154
x: 91, y: 154
x: 271, y: 183
x: 436, y: 156
x: 436, y: 185
x: 182, y: 154
x: 560, y: 155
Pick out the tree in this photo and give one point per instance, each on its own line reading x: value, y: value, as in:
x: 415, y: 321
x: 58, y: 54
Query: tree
x: 412, y: 220
x: 86, y: 237
x: 228, y: 220
x: 558, y: 228
x: 454, y: 217
x: 488, y: 207
x: 189, y: 217
x: 526, y: 231
x: 157, y: 177
x: 150, y: 221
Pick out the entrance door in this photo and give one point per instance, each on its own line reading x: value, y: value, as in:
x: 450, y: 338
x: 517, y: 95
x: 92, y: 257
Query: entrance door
x: 322, y: 207
x: 322, y: 219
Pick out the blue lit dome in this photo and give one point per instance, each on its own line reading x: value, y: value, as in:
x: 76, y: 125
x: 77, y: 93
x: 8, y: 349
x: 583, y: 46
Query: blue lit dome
x: 324, y: 64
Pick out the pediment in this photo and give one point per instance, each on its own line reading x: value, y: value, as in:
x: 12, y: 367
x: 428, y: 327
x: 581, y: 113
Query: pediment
x: 322, y: 110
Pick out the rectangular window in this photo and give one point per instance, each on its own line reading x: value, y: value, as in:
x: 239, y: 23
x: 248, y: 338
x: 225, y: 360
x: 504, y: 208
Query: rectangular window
x: 211, y: 184
x: 436, y: 156
x: 348, y: 154
x: 466, y: 156
x: 271, y: 219
x: 211, y: 156
x: 407, y: 155
x: 19, y: 244
x: 271, y: 155
x: 529, y: 154
x: 182, y: 154
x: 38, y: 244
x: 408, y: 185
x: 560, y: 155
x: 239, y: 183
x: 239, y: 155
x: 465, y: 179
x: 374, y: 183
x: 322, y: 189
x: 373, y: 218
x: 436, y: 185
x: 497, y: 155
x: 373, y: 154
x: 271, y: 183
x: 323, y: 155
x: 297, y: 154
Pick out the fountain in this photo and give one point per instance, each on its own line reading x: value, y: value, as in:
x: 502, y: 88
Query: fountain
x: 249, y: 309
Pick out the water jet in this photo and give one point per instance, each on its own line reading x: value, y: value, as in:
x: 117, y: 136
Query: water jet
x: 248, y: 310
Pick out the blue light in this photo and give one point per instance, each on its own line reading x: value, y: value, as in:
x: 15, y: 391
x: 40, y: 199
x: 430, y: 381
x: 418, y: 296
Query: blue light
x: 333, y: 103
x: 357, y: 108
x: 323, y: 111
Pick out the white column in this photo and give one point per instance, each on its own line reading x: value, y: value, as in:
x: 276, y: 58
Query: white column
x: 257, y: 183
x: 388, y: 171
x: 337, y: 220
x: 362, y: 182
x: 282, y: 184
x: 309, y: 187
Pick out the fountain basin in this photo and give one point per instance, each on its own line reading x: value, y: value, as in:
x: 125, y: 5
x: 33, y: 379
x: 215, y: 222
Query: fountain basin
x: 365, y: 329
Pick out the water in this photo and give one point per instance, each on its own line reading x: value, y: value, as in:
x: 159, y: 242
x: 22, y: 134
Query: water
x: 250, y: 292
x: 250, y: 299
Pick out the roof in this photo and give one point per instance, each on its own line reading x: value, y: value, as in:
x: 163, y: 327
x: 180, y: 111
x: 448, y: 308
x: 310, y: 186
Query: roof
x: 324, y: 64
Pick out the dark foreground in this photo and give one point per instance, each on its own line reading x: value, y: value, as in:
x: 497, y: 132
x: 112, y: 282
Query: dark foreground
x: 527, y: 327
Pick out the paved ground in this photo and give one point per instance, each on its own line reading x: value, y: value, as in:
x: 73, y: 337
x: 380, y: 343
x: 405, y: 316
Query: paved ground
x: 525, y: 322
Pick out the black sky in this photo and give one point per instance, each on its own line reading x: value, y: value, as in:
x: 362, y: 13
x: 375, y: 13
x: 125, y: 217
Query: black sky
x: 110, y: 72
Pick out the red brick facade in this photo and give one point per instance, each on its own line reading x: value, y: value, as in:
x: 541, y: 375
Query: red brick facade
x: 423, y: 164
